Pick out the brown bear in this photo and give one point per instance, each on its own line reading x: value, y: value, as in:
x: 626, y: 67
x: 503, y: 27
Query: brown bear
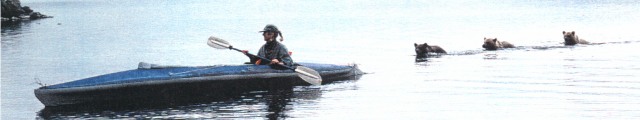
x: 570, y: 38
x: 494, y: 44
x: 422, y: 50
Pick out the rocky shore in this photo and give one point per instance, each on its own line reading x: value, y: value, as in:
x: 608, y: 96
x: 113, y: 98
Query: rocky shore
x: 13, y: 11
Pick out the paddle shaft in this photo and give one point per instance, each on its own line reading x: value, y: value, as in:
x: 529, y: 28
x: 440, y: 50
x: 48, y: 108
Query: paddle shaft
x: 232, y: 48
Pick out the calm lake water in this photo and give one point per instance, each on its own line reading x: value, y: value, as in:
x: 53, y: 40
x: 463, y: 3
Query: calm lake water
x: 541, y: 79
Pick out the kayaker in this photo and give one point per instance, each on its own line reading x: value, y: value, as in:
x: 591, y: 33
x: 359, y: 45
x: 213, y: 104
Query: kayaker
x: 272, y: 49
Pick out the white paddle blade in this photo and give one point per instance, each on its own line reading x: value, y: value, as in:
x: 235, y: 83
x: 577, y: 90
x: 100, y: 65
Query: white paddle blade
x: 217, y: 43
x: 309, y: 75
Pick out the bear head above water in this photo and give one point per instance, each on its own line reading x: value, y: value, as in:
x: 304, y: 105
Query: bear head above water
x: 494, y: 44
x: 570, y: 38
x: 422, y: 50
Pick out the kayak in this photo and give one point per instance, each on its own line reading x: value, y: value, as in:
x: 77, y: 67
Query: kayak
x: 174, y: 83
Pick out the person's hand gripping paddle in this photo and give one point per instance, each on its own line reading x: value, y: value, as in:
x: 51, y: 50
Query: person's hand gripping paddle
x: 307, y: 74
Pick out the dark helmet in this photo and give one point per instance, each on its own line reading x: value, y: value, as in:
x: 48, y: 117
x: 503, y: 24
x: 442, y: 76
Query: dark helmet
x: 272, y: 28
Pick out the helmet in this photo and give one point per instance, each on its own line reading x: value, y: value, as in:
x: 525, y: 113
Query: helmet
x: 270, y: 28
x: 273, y: 28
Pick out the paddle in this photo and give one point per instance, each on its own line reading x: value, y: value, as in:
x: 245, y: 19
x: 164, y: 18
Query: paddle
x: 307, y: 74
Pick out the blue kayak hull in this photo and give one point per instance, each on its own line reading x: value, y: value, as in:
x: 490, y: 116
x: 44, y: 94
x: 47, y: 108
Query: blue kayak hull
x: 174, y: 84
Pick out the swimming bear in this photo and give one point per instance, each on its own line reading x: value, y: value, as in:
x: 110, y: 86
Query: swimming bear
x: 570, y: 38
x: 494, y: 44
x: 422, y: 50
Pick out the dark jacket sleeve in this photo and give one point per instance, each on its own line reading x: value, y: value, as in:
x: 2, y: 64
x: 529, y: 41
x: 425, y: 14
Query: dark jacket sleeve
x: 284, y: 55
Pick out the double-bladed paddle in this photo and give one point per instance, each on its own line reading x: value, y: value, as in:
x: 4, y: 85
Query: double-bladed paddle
x: 307, y: 74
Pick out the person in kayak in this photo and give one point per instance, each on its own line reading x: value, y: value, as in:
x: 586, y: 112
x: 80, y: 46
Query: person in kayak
x: 272, y: 49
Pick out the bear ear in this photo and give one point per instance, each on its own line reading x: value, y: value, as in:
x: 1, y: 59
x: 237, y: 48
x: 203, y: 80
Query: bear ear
x: 485, y: 38
x: 495, y: 39
x: 563, y: 32
x: 573, y: 32
x: 415, y: 44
